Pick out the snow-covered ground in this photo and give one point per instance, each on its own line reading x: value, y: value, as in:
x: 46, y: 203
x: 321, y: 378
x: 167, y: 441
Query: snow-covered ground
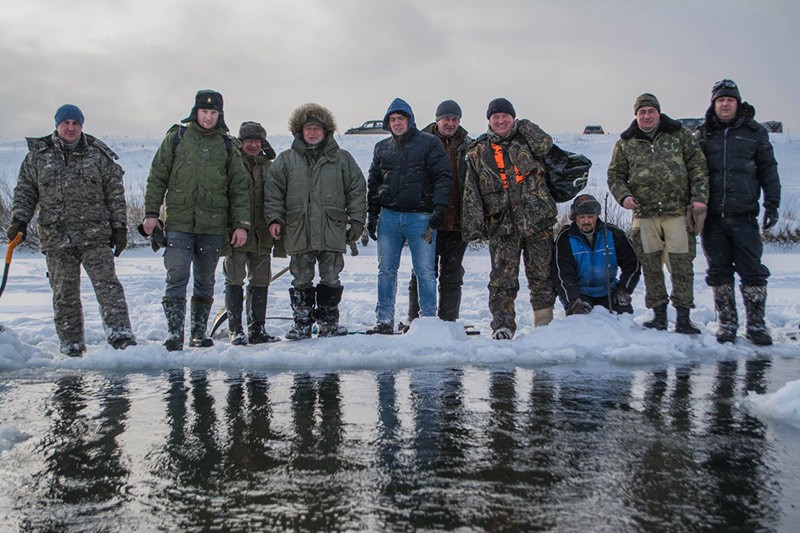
x: 29, y: 342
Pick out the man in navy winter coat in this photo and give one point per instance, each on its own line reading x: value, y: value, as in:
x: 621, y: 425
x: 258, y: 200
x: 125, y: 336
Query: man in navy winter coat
x: 588, y: 254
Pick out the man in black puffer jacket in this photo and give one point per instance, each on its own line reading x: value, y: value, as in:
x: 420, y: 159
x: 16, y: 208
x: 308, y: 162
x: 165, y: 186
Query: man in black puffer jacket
x: 741, y: 165
x: 408, y: 191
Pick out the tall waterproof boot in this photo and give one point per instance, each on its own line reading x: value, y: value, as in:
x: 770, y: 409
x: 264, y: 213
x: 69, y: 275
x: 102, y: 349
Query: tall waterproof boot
x: 755, y: 305
x: 683, y: 324
x: 727, y: 318
x: 302, y: 301
x: 327, y: 311
x: 175, y: 312
x: 659, y: 320
x: 413, y: 305
x: 201, y: 308
x: 234, y: 297
x: 257, y: 315
x: 449, y: 303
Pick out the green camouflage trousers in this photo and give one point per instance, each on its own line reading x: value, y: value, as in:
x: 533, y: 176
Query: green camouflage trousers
x: 255, y: 266
x: 330, y: 264
x: 537, y: 252
x: 64, y: 268
x: 681, y: 274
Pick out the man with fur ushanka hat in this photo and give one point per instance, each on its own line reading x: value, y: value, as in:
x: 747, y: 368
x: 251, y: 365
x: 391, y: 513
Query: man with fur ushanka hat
x: 198, y: 177
x: 316, y: 204
x: 741, y: 165
x: 587, y: 256
x: 658, y: 171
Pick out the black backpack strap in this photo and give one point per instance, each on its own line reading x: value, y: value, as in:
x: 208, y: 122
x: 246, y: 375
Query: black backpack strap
x: 177, y: 138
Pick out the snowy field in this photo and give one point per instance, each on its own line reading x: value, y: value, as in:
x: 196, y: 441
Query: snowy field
x: 29, y: 342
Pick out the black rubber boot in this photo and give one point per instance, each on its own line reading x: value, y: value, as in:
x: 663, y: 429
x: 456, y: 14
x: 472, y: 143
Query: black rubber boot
x: 201, y: 308
x: 449, y: 303
x: 257, y: 315
x: 234, y: 297
x: 659, y: 320
x: 727, y: 318
x: 302, y: 301
x: 755, y: 306
x: 175, y: 312
x: 327, y: 311
x: 683, y: 324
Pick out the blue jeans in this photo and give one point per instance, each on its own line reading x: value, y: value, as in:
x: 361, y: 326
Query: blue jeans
x: 395, y: 228
x: 195, y: 253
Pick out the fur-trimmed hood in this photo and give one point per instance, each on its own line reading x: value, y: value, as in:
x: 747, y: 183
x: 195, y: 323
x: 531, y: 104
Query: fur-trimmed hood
x: 314, y: 112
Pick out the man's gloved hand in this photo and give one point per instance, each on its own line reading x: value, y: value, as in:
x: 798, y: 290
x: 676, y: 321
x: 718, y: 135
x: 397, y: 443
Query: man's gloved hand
x: 437, y: 218
x: 15, y: 227
x: 119, y: 240
x: 578, y: 307
x: 372, y: 227
x: 770, y: 217
x: 354, y: 231
x: 623, y: 297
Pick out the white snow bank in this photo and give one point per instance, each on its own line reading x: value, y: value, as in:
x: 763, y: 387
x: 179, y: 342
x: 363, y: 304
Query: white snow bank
x: 781, y: 406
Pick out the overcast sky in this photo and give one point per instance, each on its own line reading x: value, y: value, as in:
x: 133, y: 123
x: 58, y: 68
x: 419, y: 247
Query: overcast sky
x: 133, y: 66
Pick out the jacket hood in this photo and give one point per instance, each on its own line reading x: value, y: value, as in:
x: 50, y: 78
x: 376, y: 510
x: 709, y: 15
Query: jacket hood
x: 665, y: 124
x: 399, y: 105
x: 313, y: 112
x: 746, y: 114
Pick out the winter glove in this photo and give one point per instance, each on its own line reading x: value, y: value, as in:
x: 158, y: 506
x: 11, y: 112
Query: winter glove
x: 354, y: 231
x: 578, y: 307
x: 437, y: 218
x: 17, y: 226
x: 119, y: 240
x: 623, y: 297
x: 372, y: 227
x: 770, y: 217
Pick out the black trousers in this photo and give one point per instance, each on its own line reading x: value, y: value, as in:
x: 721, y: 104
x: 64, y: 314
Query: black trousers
x: 450, y: 251
x: 733, y: 245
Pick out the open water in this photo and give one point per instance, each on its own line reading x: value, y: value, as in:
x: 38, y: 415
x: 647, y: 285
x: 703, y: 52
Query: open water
x: 562, y: 448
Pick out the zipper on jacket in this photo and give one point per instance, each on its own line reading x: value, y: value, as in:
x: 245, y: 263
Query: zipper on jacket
x: 724, y: 171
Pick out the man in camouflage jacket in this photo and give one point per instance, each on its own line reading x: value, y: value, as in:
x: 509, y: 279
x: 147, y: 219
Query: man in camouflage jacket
x: 73, y: 179
x: 507, y: 202
x: 658, y: 171
x: 316, y: 203
x: 253, y: 258
x: 197, y: 174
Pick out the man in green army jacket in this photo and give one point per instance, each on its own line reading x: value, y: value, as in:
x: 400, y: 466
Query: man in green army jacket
x: 658, y: 171
x: 198, y: 175
x: 316, y: 201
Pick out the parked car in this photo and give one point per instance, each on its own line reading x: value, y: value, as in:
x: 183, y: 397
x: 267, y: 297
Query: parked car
x: 773, y: 126
x: 593, y: 129
x: 691, y: 123
x: 370, y: 126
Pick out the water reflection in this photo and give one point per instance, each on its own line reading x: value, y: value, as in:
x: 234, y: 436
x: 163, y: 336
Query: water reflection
x: 478, y: 449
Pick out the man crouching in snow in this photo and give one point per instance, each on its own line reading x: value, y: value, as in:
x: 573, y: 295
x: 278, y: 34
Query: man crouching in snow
x: 588, y: 253
x: 77, y: 185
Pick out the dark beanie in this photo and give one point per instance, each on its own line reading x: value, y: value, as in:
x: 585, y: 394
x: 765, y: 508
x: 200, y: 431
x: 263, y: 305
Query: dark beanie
x: 644, y: 100
x: 500, y: 105
x: 252, y: 130
x: 725, y: 88
x: 448, y: 108
x: 69, y: 112
x: 585, y: 204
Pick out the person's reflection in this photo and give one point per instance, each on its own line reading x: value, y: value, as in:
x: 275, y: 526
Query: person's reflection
x: 249, y: 417
x: 317, y: 445
x: 83, y: 460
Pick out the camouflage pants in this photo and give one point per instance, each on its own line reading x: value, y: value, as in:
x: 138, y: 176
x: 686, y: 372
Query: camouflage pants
x: 330, y: 264
x: 255, y: 266
x: 64, y: 268
x: 681, y: 274
x: 537, y: 252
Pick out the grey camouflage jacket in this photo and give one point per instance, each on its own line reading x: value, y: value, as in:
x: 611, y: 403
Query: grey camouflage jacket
x: 79, y: 192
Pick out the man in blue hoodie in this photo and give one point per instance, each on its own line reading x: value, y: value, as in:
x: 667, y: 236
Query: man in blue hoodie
x: 408, y: 191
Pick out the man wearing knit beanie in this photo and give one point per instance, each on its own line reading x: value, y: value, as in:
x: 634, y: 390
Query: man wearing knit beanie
x: 506, y: 201
x: 741, y: 167
x: 658, y: 170
x: 73, y: 179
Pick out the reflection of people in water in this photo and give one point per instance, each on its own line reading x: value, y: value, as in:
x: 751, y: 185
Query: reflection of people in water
x: 83, y: 463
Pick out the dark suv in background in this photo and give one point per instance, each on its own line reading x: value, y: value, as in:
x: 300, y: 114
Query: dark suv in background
x: 593, y: 129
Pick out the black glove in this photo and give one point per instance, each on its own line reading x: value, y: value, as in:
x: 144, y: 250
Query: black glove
x: 578, y: 307
x: 119, y: 240
x: 437, y: 218
x: 372, y: 227
x: 15, y: 227
x: 354, y: 231
x: 623, y: 297
x: 770, y: 217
